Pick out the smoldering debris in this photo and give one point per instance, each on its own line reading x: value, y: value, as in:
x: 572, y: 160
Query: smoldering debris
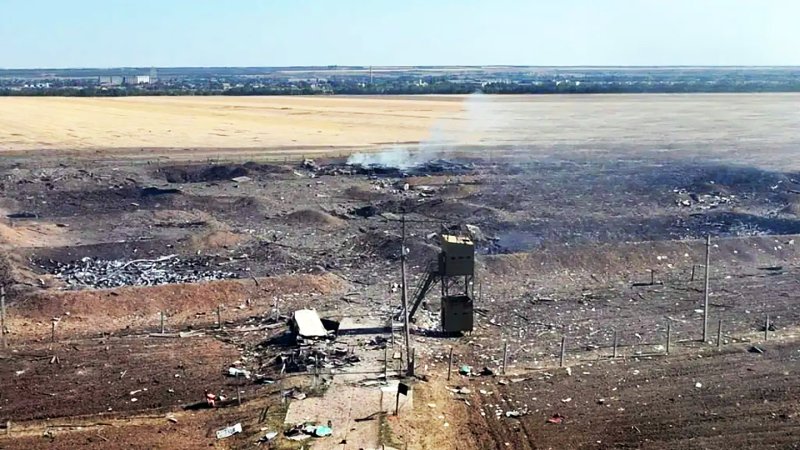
x: 380, y: 168
x: 100, y: 273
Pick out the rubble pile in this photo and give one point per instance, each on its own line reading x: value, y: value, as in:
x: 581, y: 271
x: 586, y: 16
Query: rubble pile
x: 323, y: 355
x: 712, y: 200
x: 100, y: 273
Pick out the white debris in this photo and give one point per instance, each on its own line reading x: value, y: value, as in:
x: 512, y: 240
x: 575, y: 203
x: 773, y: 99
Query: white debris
x: 235, y: 372
x: 229, y: 431
x: 306, y: 323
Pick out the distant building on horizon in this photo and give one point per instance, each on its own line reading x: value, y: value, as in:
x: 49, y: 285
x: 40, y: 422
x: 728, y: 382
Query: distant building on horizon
x: 117, y: 80
x: 136, y: 79
x: 111, y: 80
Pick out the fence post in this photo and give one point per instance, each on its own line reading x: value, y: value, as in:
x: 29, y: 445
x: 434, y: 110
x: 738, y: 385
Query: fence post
x: 505, y: 356
x: 669, y: 335
x: 705, y: 288
x: 386, y: 362
x: 3, y: 315
x: 614, y: 355
x: 719, y: 333
x: 563, y: 350
x: 766, y: 328
x: 53, y: 331
x: 450, y: 364
x: 693, y: 267
x: 219, y: 316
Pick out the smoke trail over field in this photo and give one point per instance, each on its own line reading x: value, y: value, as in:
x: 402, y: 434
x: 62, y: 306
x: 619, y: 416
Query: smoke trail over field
x: 479, y: 116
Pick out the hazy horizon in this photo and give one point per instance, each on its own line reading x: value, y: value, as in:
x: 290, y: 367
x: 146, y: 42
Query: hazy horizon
x: 364, y: 66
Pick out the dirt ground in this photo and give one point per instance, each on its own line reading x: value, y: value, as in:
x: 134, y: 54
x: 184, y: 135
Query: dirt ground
x: 583, y: 236
x: 697, y: 400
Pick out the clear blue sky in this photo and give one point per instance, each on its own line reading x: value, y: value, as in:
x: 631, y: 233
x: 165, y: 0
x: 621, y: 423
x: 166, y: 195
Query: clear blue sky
x: 110, y: 33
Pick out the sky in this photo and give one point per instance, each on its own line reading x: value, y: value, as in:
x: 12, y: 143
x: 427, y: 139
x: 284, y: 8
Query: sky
x: 169, y: 33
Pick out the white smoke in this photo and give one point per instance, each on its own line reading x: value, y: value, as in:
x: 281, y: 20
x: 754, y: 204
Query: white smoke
x: 480, y: 116
x: 399, y: 157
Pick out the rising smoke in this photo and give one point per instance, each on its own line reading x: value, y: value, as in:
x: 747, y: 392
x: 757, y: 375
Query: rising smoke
x: 479, y: 116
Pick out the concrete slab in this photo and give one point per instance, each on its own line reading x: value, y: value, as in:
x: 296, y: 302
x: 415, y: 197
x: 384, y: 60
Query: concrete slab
x: 363, y: 325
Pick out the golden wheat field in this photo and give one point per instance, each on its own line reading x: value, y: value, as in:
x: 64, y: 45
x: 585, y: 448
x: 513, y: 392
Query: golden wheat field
x: 743, y: 123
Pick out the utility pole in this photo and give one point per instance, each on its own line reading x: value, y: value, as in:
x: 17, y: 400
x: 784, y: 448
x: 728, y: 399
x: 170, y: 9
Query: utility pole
x: 705, y: 288
x: 404, y: 298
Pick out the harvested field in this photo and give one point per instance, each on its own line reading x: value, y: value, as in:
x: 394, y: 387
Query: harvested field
x: 589, y: 227
x: 741, y: 126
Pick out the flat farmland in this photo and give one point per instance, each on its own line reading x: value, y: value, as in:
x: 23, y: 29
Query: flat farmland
x: 216, y: 122
x: 743, y: 126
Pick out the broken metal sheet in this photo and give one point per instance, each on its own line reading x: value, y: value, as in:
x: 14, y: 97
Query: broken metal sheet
x: 229, y: 431
x: 322, y: 431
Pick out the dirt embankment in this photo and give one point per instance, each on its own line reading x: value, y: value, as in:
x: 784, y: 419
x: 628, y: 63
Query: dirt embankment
x: 111, y: 310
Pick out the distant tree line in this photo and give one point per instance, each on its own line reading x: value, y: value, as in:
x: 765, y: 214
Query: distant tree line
x: 432, y: 86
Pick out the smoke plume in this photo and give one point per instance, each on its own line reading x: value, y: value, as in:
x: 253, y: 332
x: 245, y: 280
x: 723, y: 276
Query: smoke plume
x: 479, y: 117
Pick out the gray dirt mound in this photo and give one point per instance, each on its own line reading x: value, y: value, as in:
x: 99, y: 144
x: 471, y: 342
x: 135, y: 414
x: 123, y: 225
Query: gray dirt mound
x: 364, y: 194
x: 387, y: 246
x: 214, y: 172
x: 449, y: 209
x: 313, y: 218
x: 15, y: 276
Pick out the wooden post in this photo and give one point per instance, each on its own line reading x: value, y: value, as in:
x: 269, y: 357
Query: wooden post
x: 652, y: 277
x: 412, y: 364
x: 450, y: 364
x: 316, y: 371
x: 719, y: 333
x: 693, y: 267
x: 563, y: 350
x: 404, y: 299
x: 238, y: 393
x: 397, y: 403
x: 669, y: 335
x: 162, y: 322
x: 705, y: 288
x: 53, y: 331
x: 505, y: 356
x: 219, y: 316
x: 386, y: 362
x: 615, y: 345
x: 3, y: 315
x: 766, y: 327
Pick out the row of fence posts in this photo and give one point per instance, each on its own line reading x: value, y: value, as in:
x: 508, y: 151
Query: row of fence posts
x: 54, y: 322
x: 614, y: 346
